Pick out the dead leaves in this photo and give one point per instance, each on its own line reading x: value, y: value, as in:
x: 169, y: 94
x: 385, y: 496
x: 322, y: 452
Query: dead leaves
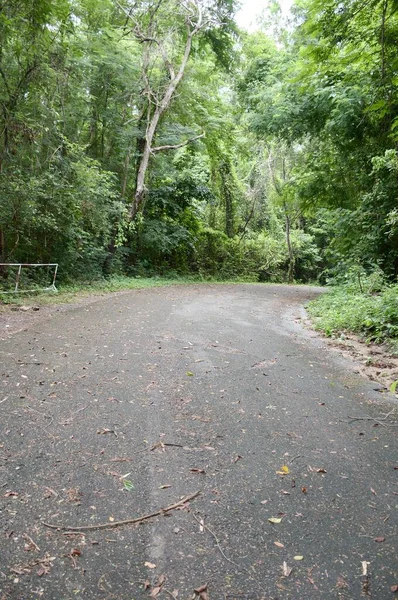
x: 44, y: 565
x: 202, y: 592
x: 158, y: 587
x: 286, y: 570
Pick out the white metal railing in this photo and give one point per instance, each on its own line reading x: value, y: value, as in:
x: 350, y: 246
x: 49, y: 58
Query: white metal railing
x: 18, y: 277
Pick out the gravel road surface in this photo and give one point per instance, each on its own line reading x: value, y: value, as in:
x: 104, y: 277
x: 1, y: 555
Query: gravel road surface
x: 122, y: 407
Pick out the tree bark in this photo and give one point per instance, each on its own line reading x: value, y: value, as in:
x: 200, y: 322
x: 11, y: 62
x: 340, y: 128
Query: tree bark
x: 160, y: 108
x: 290, y: 271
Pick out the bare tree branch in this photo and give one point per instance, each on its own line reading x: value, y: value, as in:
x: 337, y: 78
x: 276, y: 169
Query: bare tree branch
x: 176, y: 146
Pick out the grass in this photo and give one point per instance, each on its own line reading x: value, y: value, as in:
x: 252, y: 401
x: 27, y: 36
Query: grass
x: 373, y: 316
x: 69, y: 293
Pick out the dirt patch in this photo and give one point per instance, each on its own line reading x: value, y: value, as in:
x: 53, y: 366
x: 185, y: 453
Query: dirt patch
x: 373, y: 361
x: 15, y: 318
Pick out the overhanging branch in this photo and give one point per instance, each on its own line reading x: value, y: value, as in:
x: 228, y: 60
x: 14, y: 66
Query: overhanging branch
x: 176, y: 146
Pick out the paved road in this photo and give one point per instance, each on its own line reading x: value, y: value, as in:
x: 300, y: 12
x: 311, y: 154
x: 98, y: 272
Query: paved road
x: 118, y: 408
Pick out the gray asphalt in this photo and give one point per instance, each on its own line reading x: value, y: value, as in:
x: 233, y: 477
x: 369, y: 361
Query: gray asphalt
x: 123, y: 406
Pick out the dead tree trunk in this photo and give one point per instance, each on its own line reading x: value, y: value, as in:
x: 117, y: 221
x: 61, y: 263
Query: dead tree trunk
x: 161, y: 104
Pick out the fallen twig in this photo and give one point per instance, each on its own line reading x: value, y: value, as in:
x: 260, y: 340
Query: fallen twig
x: 162, y: 445
x: 379, y: 421
x: 27, y: 538
x: 202, y: 524
x: 114, y: 524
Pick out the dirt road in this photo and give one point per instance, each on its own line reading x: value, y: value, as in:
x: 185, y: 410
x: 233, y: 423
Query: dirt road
x: 113, y: 410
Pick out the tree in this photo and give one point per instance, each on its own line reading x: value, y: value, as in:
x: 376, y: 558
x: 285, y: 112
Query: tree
x: 167, y: 30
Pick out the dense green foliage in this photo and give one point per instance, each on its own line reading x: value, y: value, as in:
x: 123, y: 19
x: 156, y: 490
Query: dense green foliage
x: 373, y: 316
x: 152, y: 138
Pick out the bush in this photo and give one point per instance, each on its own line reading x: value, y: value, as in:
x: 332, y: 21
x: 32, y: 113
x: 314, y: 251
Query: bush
x: 345, y: 308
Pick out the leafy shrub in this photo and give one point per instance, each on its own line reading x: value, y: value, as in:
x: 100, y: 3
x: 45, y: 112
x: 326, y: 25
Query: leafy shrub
x: 374, y: 316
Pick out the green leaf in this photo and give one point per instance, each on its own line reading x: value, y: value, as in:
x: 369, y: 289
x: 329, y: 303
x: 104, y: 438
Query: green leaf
x: 393, y: 387
x: 128, y: 485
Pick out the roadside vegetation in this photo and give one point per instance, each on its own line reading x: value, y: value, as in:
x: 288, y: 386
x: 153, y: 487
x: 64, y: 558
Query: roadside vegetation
x: 364, y: 305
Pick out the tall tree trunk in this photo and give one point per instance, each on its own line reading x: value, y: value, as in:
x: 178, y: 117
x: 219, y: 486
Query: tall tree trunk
x: 228, y: 197
x: 160, y: 108
x: 290, y: 271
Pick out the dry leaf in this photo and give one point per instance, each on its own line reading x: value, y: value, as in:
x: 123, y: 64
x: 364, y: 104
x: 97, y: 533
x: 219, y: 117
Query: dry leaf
x: 155, y: 591
x: 202, y: 592
x: 164, y: 487
x: 237, y: 458
x: 365, y: 567
x: 304, y: 490
x: 394, y: 589
x: 321, y: 471
x: 150, y: 565
x: 283, y: 470
x: 380, y: 539
x: 373, y: 491
x: 341, y: 583
x: 195, y: 470
x: 298, y: 557
x: 285, y: 492
x: 158, y: 587
x: 274, y: 520
x: 147, y: 585
x: 286, y: 570
x: 279, y: 544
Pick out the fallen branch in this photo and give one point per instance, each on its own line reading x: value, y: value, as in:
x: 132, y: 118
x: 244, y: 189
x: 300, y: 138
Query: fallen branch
x: 161, y: 511
x: 379, y: 421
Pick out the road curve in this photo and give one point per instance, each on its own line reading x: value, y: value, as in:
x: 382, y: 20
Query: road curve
x: 123, y: 406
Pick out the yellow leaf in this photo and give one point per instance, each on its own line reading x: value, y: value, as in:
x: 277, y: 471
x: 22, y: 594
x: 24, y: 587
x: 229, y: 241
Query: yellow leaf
x: 284, y: 470
x: 111, y: 518
x: 274, y: 520
x: 298, y: 557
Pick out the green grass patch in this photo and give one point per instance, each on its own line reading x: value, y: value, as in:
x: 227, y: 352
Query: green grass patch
x: 372, y: 316
x: 69, y: 293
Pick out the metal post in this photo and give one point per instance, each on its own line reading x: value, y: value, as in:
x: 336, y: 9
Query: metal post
x: 55, y: 275
x: 17, y: 279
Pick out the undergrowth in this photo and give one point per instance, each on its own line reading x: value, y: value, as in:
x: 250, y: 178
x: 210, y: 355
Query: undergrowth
x: 347, y: 308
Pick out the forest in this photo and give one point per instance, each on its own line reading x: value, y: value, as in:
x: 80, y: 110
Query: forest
x: 154, y: 137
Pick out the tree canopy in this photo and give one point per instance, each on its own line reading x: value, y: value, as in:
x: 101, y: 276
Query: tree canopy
x: 153, y: 136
